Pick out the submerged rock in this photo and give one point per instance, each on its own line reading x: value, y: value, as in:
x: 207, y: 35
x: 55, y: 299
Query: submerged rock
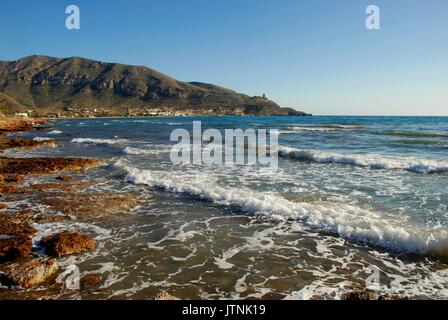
x: 15, y: 236
x: 165, y: 296
x: 9, y: 182
x: 66, y: 243
x: 62, y: 186
x: 90, y: 283
x: 12, y: 178
x: 46, y: 218
x: 6, y: 188
x: 11, y: 124
x: 65, y: 178
x: 45, y: 165
x: 28, y: 272
x: 359, y: 294
x: 23, y: 143
x: 88, y: 205
x: 16, y: 224
x: 12, y: 247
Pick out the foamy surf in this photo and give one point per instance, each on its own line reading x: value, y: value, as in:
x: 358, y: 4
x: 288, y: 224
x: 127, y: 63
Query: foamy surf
x: 370, y: 161
x: 54, y: 132
x: 320, y: 128
x: 40, y: 139
x: 98, y: 141
x: 347, y: 221
x: 140, y: 152
x: 304, y: 129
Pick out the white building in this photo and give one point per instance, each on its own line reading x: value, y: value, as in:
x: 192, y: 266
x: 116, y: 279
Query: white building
x: 22, y: 115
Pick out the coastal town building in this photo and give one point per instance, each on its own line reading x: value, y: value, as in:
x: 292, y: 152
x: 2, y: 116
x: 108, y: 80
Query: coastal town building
x: 21, y: 115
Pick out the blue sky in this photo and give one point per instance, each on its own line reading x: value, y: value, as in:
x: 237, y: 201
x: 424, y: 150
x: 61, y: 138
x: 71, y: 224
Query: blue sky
x: 313, y: 55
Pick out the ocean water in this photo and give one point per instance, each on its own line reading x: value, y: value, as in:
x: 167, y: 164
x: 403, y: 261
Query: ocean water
x: 351, y: 194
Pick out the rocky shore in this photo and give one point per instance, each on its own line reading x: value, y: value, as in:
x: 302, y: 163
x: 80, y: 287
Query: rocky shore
x: 25, y: 260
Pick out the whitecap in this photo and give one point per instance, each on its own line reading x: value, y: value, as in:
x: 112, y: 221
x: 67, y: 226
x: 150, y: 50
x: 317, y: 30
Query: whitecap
x: 140, y: 152
x: 371, y: 161
x: 98, y: 141
x: 55, y: 132
x: 40, y: 139
x: 348, y: 221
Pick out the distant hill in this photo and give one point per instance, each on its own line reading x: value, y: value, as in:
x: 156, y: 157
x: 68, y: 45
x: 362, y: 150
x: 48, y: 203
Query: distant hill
x: 81, y: 87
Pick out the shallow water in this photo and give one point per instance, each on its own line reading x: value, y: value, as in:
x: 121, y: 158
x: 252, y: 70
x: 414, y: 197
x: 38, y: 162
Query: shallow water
x: 350, y: 193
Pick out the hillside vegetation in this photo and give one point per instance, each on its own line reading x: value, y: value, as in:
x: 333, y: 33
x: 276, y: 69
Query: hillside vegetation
x: 79, y: 87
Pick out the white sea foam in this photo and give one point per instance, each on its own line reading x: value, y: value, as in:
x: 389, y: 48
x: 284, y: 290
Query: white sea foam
x: 98, y: 141
x: 42, y: 139
x: 320, y: 128
x: 371, y: 161
x: 345, y: 220
x: 142, y: 152
x: 55, y: 132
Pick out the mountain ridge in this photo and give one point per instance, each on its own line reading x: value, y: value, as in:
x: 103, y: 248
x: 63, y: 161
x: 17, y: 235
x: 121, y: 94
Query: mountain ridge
x: 77, y: 86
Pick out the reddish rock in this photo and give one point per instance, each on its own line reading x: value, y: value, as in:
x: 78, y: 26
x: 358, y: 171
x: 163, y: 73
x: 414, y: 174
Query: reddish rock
x: 22, y: 143
x: 357, y: 294
x: 50, y: 218
x: 16, y: 224
x: 43, y: 166
x: 66, y: 243
x: 65, y: 178
x: 88, y: 205
x: 3, y: 205
x: 10, y: 125
x: 13, y: 178
x: 165, y: 296
x: 392, y: 297
x: 15, y: 236
x: 90, y: 283
x: 61, y: 186
x: 28, y: 272
x: 12, y: 247
x: 6, y: 188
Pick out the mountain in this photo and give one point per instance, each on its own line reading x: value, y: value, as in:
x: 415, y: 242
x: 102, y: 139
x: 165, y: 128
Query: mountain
x: 82, y: 87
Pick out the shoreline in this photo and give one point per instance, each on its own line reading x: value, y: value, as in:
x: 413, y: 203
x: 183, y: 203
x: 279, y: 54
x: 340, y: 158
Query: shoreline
x: 149, y: 117
x: 241, y: 116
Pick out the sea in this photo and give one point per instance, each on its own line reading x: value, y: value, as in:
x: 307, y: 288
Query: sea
x: 355, y: 202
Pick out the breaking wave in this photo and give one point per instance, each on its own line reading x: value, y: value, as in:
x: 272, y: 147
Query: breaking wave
x: 304, y: 129
x: 98, y: 141
x: 55, y: 132
x: 138, y: 152
x: 40, y: 139
x: 323, y: 127
x: 371, y: 161
x: 347, y: 221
